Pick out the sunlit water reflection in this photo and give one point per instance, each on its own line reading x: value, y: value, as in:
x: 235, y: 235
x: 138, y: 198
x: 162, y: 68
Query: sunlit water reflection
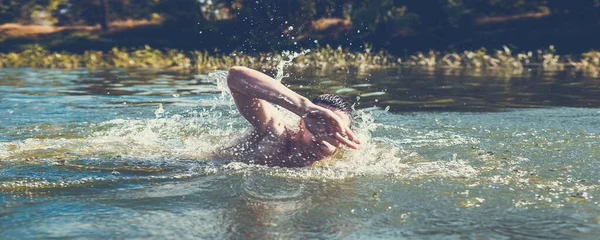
x: 446, y: 154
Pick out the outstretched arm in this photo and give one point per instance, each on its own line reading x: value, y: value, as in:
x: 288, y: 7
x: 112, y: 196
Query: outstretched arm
x: 252, y: 92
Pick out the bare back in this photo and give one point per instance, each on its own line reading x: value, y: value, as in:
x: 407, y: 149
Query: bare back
x: 272, y: 149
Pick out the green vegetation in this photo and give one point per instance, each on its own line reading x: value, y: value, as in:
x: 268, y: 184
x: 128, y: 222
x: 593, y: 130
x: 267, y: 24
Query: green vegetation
x: 320, y: 58
x: 147, y: 57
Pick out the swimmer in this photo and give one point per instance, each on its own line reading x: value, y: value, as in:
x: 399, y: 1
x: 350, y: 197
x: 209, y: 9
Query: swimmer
x: 323, y: 128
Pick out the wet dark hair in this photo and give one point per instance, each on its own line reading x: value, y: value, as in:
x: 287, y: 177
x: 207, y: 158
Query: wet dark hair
x: 334, y: 101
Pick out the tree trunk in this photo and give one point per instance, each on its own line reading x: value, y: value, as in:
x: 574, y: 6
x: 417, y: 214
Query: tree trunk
x: 104, y: 22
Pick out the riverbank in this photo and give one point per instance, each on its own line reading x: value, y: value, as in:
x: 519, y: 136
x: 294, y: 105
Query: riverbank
x: 320, y: 57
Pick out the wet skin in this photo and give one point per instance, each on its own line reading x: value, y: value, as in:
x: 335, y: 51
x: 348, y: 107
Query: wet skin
x: 322, y: 129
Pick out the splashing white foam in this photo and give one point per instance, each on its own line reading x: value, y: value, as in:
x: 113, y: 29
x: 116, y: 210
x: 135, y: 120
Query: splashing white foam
x: 174, y: 137
x: 287, y: 62
x: 4, y: 153
x: 196, y: 134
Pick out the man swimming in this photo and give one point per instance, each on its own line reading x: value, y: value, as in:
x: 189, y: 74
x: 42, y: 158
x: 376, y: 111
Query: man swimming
x: 323, y: 128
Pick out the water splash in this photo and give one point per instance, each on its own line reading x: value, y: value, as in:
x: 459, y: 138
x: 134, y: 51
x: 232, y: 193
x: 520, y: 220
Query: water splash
x: 171, y: 143
x: 179, y: 145
x: 286, y: 60
x: 160, y: 111
x: 196, y: 134
x: 165, y: 141
x: 219, y: 78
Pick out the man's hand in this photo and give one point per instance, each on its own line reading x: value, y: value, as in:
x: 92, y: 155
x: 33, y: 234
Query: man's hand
x: 325, y: 125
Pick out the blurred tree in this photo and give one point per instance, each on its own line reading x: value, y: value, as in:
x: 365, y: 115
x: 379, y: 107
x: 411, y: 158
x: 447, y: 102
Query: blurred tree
x: 104, y: 21
x: 258, y: 25
x: 73, y: 12
x: 186, y: 15
x: 22, y: 11
x: 578, y: 10
x: 87, y: 12
x: 383, y: 19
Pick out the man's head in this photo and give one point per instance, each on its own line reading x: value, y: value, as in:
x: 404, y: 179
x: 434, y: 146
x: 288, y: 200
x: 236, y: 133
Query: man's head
x: 338, y: 106
x: 334, y: 102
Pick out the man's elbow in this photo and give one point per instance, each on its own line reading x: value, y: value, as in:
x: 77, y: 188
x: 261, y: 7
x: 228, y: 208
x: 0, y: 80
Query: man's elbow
x: 235, y: 72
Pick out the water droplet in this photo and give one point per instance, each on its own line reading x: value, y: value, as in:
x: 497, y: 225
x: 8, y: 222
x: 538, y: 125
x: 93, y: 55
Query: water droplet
x: 159, y: 112
x: 358, y: 31
x: 200, y: 32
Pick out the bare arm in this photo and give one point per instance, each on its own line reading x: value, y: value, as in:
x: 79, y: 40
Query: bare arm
x: 252, y: 92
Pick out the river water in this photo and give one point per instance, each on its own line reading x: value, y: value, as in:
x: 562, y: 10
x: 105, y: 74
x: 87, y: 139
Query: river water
x: 446, y: 154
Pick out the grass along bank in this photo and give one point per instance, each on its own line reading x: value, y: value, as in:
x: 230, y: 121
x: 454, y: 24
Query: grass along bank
x: 321, y: 58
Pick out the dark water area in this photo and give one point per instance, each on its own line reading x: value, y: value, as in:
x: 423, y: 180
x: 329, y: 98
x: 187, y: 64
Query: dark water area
x: 446, y: 154
x: 405, y: 89
x: 422, y: 89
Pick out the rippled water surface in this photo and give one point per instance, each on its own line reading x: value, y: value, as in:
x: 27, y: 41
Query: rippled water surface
x: 446, y: 154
